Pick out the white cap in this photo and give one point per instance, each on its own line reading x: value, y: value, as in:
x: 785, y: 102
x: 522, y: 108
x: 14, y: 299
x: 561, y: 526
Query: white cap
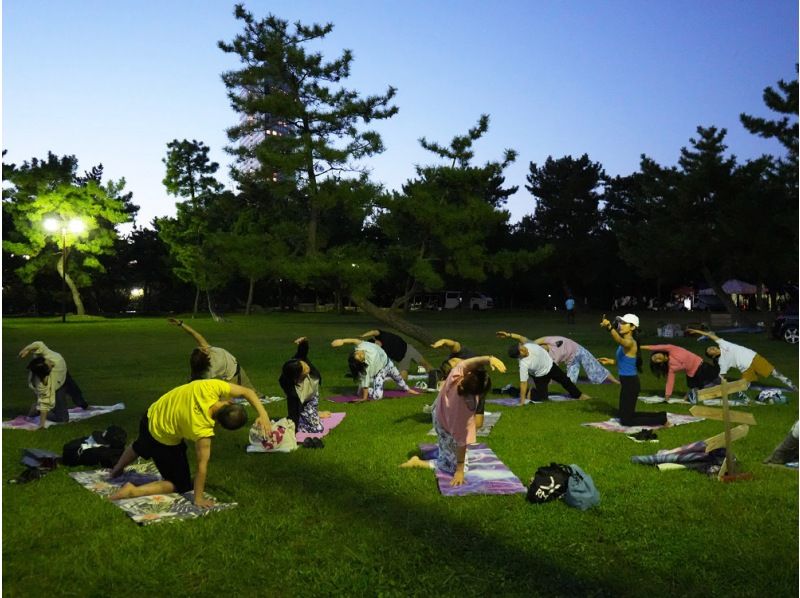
x: 630, y: 319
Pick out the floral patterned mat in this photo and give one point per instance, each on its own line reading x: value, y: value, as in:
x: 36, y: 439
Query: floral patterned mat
x: 145, y: 510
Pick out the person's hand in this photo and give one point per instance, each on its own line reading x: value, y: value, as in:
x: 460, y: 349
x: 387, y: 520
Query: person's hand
x: 337, y: 343
x: 203, y: 503
x: 437, y: 344
x: 413, y: 391
x: 604, y: 323
x: 24, y: 353
x: 502, y: 334
x: 299, y: 340
x: 496, y: 364
x: 265, y: 425
x: 458, y: 478
x: 605, y: 360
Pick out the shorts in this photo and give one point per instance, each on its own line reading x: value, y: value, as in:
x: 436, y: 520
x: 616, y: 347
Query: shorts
x: 759, y: 368
x: 171, y: 460
x: 411, y: 355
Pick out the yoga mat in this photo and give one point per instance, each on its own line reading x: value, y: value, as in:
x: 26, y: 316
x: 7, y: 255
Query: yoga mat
x: 613, y: 425
x: 514, y: 402
x: 328, y: 424
x: 76, y: 414
x: 653, y: 399
x: 263, y: 400
x: 486, y: 474
x: 387, y: 394
x: 145, y: 510
x: 489, y: 420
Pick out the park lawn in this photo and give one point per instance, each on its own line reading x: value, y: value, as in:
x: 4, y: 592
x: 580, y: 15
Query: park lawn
x: 347, y: 520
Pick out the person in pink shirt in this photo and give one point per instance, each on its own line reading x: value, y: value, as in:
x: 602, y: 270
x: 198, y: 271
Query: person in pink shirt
x: 566, y: 351
x: 454, y: 415
x: 670, y: 359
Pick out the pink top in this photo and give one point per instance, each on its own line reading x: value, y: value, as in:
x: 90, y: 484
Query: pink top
x: 563, y: 354
x: 679, y: 360
x: 452, y: 411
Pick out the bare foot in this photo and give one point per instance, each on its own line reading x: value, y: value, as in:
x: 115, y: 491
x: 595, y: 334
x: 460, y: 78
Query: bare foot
x: 324, y: 414
x: 415, y: 462
x: 584, y: 397
x: 126, y: 491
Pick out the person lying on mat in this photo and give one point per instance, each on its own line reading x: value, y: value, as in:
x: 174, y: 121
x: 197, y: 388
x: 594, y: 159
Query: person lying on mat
x: 398, y: 349
x: 207, y: 361
x: 371, y: 366
x: 629, y: 364
x: 537, y: 365
x: 729, y: 356
x: 566, y: 351
x: 51, y: 383
x: 459, y: 353
x: 188, y: 412
x: 453, y: 415
x: 300, y: 381
x: 668, y: 360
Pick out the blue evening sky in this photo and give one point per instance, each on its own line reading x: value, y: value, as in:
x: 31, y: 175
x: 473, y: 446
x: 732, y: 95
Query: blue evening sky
x: 114, y: 81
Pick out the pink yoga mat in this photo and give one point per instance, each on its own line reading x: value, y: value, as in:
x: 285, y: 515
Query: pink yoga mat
x: 328, y: 424
x: 387, y: 394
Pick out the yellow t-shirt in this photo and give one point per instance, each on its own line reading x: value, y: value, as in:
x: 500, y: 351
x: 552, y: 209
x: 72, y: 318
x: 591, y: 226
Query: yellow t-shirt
x: 183, y: 411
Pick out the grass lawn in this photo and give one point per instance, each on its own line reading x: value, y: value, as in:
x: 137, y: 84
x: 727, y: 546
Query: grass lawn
x: 345, y: 520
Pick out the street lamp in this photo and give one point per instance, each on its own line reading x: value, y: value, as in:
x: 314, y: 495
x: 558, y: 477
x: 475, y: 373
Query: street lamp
x: 75, y: 226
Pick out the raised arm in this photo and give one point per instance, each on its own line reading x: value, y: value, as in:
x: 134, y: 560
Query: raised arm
x: 251, y: 397
x: 371, y: 334
x: 707, y: 333
x: 514, y: 335
x: 490, y: 360
x: 302, y: 348
x: 626, y: 343
x: 339, y: 342
x: 201, y: 342
x: 454, y: 346
x: 34, y: 347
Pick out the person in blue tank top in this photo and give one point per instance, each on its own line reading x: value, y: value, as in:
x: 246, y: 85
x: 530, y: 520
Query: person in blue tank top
x: 629, y: 364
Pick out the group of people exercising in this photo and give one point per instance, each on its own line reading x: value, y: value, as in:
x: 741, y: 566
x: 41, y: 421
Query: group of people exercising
x: 192, y: 410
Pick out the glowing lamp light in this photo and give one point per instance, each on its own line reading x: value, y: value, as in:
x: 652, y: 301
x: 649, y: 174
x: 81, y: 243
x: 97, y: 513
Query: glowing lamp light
x: 51, y: 225
x: 137, y: 293
x: 76, y: 226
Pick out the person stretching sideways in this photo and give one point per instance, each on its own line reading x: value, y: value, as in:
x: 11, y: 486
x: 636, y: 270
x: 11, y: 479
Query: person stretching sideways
x: 188, y: 412
x: 370, y: 365
x: 453, y: 413
x: 399, y: 351
x: 670, y: 359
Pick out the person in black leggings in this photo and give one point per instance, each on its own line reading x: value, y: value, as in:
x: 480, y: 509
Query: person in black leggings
x: 629, y: 364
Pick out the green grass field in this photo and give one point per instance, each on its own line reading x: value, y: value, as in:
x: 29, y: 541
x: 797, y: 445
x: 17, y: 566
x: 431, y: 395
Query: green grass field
x: 345, y: 520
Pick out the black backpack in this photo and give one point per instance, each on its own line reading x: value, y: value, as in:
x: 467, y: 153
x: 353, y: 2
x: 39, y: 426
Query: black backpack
x: 112, y: 444
x: 549, y: 483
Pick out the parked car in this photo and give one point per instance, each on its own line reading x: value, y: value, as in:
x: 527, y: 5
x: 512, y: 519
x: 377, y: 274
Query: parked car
x: 453, y: 300
x: 479, y: 302
x: 708, y: 303
x: 785, y: 326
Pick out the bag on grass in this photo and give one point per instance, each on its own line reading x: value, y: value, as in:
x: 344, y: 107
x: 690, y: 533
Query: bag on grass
x: 282, y: 439
x: 772, y: 396
x: 103, y: 447
x: 548, y: 483
x: 581, y: 491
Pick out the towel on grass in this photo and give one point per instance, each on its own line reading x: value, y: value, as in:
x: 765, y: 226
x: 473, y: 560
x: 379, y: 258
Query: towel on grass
x: 387, y: 394
x: 733, y: 402
x: 76, y: 414
x: 489, y: 420
x: 328, y: 424
x: 486, y: 474
x: 514, y: 402
x: 145, y: 510
x: 613, y: 425
x: 653, y: 399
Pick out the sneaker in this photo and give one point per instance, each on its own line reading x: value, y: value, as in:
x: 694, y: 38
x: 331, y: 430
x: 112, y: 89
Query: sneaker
x: 421, y: 385
x: 691, y: 396
x: 644, y: 436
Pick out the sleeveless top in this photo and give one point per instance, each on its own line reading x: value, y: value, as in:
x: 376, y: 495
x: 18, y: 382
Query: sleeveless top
x: 626, y: 366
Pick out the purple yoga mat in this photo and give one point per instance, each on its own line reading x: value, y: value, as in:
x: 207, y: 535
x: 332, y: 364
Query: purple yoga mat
x: 486, y: 474
x: 514, y: 402
x: 328, y: 424
x: 387, y: 394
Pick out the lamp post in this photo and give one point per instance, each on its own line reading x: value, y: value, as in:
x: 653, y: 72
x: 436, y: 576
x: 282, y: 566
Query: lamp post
x: 75, y: 226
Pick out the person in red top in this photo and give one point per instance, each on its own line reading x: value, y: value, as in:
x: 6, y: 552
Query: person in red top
x: 670, y: 359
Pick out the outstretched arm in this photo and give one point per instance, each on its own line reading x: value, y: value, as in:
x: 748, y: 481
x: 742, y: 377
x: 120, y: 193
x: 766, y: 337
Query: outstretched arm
x: 339, y: 342
x: 514, y: 335
x: 251, y: 397
x: 202, y: 450
x: 34, y: 347
x: 707, y: 333
x: 626, y: 343
x: 490, y: 360
x: 454, y: 346
x: 201, y: 342
x: 371, y: 334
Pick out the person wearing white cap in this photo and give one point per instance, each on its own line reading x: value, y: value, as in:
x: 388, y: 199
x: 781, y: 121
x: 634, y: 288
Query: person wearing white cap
x: 629, y: 364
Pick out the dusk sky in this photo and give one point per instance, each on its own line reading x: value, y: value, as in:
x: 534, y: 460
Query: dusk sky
x: 114, y: 82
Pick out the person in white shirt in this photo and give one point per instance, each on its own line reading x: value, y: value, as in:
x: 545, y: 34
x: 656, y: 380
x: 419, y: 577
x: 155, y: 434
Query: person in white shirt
x: 730, y: 356
x: 51, y: 382
x: 371, y: 366
x: 207, y: 362
x: 536, y: 364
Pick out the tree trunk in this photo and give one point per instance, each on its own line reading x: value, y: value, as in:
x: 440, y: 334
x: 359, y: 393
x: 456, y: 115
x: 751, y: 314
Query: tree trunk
x: 249, y: 296
x: 196, y: 303
x: 214, y: 315
x: 394, y: 320
x: 80, y: 310
x: 731, y: 308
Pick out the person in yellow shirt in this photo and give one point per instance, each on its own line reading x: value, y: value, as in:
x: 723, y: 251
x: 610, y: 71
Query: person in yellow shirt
x: 188, y: 412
